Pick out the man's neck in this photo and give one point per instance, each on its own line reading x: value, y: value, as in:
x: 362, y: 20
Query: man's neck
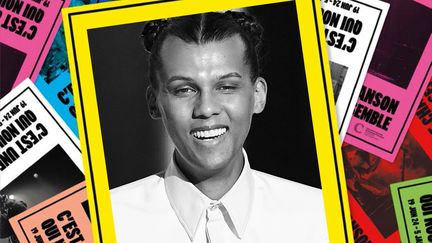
x: 217, y: 183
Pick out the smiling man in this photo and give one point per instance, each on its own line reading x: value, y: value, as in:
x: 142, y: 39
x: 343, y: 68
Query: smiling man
x: 205, y: 88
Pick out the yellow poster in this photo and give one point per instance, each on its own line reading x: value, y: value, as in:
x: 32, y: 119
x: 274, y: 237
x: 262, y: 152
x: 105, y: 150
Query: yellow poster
x: 206, y: 121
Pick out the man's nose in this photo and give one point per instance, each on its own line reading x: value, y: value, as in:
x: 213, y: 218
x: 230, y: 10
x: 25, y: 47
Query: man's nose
x: 206, y: 105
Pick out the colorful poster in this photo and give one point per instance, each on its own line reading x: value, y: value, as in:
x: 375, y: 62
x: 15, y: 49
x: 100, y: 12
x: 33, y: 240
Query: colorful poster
x: 54, y: 81
x: 27, y: 29
x: 62, y: 218
x: 352, y: 29
x: 421, y: 126
x: 397, y: 77
x: 413, y: 207
x: 39, y: 155
x: 369, y: 179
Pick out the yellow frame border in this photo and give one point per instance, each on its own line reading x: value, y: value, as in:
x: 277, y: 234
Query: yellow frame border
x: 79, y: 19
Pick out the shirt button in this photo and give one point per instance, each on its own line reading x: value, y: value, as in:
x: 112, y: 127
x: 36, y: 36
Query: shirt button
x: 214, y: 206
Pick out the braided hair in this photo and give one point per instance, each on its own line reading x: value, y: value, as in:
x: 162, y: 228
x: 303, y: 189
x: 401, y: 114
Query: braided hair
x: 202, y: 29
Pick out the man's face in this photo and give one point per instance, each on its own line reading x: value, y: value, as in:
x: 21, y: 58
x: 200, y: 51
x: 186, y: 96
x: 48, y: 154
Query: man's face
x: 206, y: 101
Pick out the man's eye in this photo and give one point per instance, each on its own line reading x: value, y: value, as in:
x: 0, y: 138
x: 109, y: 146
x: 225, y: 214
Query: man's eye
x: 184, y: 91
x: 227, y: 88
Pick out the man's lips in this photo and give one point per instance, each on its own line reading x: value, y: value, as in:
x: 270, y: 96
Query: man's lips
x: 209, y: 132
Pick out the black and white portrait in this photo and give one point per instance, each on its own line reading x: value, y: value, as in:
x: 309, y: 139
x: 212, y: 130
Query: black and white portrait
x: 207, y: 128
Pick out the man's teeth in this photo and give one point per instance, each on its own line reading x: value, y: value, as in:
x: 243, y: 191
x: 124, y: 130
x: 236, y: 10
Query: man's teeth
x: 209, y: 133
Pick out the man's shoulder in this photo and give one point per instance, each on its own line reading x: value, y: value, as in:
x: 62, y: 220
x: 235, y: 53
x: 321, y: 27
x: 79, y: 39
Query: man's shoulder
x: 281, y: 192
x: 278, y: 185
x: 282, y: 200
x: 141, y: 192
x: 142, y: 205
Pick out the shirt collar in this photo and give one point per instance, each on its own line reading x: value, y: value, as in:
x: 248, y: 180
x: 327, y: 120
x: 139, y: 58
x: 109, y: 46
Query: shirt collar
x: 190, y: 204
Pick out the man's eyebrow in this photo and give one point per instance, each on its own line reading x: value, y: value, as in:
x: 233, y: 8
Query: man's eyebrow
x: 179, y: 77
x: 230, y: 75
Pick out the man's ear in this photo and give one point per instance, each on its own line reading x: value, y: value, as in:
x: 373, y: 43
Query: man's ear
x: 152, y: 103
x: 260, y: 94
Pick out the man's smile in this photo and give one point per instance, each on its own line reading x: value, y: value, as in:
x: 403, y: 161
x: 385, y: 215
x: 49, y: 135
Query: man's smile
x: 208, y: 133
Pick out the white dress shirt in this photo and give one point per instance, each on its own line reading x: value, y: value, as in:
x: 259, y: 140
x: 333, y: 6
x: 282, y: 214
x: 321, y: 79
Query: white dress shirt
x: 166, y: 207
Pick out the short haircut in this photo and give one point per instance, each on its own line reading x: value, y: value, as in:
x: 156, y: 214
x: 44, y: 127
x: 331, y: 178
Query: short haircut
x: 202, y: 29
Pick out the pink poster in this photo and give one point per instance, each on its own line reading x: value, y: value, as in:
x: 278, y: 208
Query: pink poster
x: 27, y: 29
x: 396, y: 80
x: 427, y: 3
x: 421, y: 126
